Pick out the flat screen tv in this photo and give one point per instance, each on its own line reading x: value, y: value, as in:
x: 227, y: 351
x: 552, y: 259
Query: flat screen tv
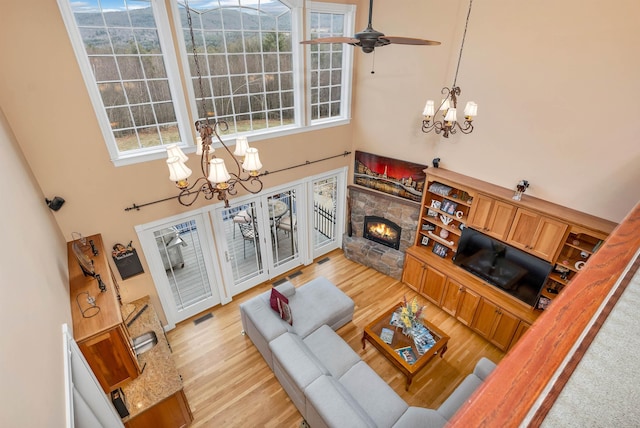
x: 517, y: 273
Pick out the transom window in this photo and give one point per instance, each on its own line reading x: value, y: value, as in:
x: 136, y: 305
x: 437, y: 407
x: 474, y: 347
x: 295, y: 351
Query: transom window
x: 248, y: 54
x: 244, y: 53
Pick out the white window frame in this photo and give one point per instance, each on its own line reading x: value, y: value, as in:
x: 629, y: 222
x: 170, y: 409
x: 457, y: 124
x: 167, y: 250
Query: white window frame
x: 175, y: 59
x: 349, y: 11
x: 173, y: 75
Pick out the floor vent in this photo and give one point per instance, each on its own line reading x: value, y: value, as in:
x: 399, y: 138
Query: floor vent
x: 326, y: 259
x: 280, y: 281
x: 203, y: 318
x: 296, y: 273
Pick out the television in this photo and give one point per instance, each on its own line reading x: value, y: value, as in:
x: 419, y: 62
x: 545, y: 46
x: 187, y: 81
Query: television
x: 513, y: 271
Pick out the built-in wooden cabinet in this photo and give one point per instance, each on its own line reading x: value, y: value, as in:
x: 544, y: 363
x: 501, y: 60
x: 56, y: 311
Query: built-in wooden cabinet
x: 520, y: 331
x: 413, y: 272
x: 172, y: 412
x: 459, y: 301
x: 110, y: 357
x: 100, y: 333
x: 537, y: 234
x: 451, y: 202
x: 491, y: 216
x: 425, y: 280
x: 495, y: 324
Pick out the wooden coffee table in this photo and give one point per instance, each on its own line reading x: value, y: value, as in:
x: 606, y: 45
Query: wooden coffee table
x: 399, y: 340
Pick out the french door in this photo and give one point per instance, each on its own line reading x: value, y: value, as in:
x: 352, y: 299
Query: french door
x: 180, y: 256
x: 259, y: 237
x: 326, y: 213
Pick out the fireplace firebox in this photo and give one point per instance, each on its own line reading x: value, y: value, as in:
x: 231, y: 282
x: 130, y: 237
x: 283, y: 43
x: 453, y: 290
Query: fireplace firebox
x: 382, y: 231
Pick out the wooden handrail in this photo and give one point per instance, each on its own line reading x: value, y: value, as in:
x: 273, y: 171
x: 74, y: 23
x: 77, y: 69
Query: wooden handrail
x: 512, y: 390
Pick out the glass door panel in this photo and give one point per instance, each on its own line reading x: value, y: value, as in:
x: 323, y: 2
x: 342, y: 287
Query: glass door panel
x: 240, y: 231
x: 284, y: 228
x: 180, y: 263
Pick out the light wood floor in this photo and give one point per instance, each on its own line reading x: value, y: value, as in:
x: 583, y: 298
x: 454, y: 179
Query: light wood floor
x: 228, y: 384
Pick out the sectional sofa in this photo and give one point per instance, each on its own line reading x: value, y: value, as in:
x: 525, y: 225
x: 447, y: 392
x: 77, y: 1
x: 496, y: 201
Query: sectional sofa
x: 326, y: 380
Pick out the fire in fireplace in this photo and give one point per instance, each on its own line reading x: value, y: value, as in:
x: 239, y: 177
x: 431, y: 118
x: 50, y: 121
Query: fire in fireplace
x: 382, y: 231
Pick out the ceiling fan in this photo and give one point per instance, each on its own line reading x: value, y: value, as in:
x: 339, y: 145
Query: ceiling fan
x: 369, y: 39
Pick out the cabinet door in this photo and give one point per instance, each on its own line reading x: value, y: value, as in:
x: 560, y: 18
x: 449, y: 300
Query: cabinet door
x: 173, y: 412
x: 433, y: 285
x: 413, y: 272
x: 467, y: 306
x: 536, y: 234
x: 492, y: 217
x: 450, y: 297
x: 520, y: 331
x: 548, y: 238
x: 484, y: 318
x: 109, y: 356
x: 503, y: 330
x: 495, y: 324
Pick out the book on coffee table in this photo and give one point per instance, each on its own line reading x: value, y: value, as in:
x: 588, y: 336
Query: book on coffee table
x: 386, y: 335
x: 407, y: 354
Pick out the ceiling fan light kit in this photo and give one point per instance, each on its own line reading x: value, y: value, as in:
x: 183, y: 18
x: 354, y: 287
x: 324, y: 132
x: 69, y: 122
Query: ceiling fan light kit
x: 448, y: 106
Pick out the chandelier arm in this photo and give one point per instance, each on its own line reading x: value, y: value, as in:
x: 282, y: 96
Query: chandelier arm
x: 217, y: 125
x: 467, y: 129
x: 189, y: 195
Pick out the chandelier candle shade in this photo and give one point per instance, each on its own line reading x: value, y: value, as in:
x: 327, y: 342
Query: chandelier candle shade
x: 448, y: 106
x: 216, y: 180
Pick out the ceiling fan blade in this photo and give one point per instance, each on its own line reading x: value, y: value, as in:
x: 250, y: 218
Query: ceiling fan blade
x: 349, y: 40
x: 410, y: 41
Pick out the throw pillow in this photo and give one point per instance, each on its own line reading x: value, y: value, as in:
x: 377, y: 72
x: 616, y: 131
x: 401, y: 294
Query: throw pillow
x: 280, y: 304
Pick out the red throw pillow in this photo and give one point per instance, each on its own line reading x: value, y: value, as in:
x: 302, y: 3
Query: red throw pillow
x: 280, y: 304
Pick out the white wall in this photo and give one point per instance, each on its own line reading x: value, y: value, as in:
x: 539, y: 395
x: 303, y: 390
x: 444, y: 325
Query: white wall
x: 35, y: 299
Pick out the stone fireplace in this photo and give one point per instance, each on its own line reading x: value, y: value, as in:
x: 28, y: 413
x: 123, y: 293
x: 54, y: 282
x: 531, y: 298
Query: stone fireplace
x: 398, y: 213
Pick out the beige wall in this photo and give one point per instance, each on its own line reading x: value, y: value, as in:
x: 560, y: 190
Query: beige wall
x: 48, y: 107
x: 556, y: 83
x: 35, y: 298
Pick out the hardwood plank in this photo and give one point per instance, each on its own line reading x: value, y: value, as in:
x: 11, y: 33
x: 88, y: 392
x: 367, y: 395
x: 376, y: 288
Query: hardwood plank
x: 228, y: 383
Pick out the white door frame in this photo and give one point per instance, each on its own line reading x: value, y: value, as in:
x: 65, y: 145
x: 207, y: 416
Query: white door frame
x: 149, y: 247
x: 341, y: 208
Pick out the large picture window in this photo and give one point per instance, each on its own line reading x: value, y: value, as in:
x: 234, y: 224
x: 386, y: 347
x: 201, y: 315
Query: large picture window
x: 248, y: 54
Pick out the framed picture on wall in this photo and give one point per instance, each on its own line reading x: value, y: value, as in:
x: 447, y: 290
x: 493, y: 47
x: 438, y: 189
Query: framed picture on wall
x: 392, y: 176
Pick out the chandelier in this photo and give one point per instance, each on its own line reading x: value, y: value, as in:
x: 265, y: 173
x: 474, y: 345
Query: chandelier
x: 216, y: 180
x: 448, y: 106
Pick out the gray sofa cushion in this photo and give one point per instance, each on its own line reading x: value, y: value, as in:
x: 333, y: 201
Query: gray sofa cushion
x: 373, y: 394
x: 329, y: 404
x: 319, y: 302
x: 333, y: 352
x: 419, y: 417
x: 295, y: 366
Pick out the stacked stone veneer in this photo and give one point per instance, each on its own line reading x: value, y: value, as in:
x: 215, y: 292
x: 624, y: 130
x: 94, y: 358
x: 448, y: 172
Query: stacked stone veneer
x: 405, y: 213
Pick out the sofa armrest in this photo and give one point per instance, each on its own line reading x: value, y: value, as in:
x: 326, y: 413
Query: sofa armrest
x: 420, y: 417
x: 484, y: 367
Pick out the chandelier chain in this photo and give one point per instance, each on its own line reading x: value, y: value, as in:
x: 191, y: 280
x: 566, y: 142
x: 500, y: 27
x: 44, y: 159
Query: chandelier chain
x: 196, y: 62
x: 464, y: 35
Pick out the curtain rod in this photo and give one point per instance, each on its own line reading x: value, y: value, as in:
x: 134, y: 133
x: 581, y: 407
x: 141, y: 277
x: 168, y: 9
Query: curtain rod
x: 345, y: 153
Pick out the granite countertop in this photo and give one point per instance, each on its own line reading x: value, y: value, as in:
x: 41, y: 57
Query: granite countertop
x: 159, y: 378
